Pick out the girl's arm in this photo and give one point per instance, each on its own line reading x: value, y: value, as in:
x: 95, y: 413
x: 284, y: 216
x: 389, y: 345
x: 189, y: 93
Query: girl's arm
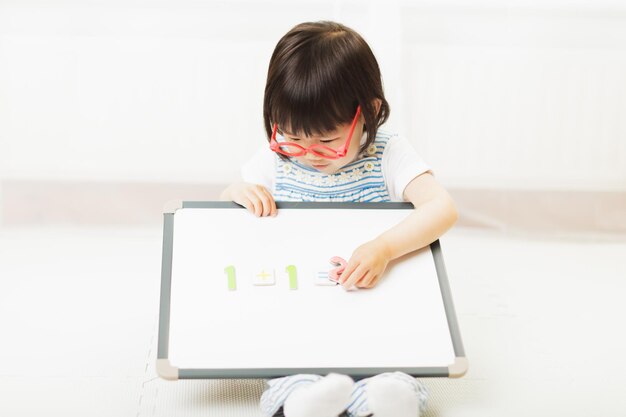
x: 433, y: 215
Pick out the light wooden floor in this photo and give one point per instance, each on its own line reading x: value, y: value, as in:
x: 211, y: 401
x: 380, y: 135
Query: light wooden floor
x: 542, y: 323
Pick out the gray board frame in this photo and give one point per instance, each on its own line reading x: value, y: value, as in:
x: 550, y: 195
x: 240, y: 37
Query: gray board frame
x: 168, y: 371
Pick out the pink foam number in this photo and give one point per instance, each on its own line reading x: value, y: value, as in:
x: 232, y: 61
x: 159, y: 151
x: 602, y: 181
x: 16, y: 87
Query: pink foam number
x: 340, y: 264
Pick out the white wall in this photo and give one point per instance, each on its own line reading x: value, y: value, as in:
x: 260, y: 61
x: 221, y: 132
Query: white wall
x: 532, y: 95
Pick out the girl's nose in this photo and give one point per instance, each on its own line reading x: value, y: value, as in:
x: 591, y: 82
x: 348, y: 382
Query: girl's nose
x: 310, y: 156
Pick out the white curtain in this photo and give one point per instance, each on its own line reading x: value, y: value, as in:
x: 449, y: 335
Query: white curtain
x: 527, y: 95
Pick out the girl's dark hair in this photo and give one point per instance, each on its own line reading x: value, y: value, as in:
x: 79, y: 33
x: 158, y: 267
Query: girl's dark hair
x: 318, y: 74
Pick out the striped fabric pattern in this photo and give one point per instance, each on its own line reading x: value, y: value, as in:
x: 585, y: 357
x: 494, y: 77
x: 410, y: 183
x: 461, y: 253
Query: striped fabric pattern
x: 359, y: 181
x: 280, y: 388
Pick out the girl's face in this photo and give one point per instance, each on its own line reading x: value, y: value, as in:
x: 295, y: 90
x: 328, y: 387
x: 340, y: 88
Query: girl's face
x: 335, y: 140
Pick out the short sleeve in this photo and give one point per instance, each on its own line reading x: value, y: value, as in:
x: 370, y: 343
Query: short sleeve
x: 400, y: 165
x: 261, y: 168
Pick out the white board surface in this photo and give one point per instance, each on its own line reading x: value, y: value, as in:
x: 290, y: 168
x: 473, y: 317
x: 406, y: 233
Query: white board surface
x: 399, y: 323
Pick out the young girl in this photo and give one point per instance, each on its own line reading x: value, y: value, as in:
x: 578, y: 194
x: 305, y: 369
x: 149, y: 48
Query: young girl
x: 323, y: 107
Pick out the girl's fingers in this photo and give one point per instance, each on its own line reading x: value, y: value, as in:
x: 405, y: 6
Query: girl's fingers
x: 261, y: 200
x: 273, y: 210
x: 258, y: 201
x: 247, y: 203
x: 256, y: 207
x: 271, y: 202
x: 369, y: 281
x: 355, y: 277
x: 362, y: 283
x: 264, y: 199
x: 347, y: 273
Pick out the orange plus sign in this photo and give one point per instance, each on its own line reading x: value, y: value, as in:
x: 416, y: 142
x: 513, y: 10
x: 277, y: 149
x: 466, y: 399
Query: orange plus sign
x: 264, y: 275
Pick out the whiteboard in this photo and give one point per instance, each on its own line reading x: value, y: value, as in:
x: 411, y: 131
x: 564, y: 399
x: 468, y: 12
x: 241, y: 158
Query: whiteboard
x: 235, y: 308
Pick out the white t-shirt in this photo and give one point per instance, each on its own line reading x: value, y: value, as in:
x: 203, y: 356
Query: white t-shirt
x: 390, y: 161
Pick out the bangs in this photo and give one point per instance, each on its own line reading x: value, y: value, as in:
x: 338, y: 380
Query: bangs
x: 301, y: 108
x: 311, y: 120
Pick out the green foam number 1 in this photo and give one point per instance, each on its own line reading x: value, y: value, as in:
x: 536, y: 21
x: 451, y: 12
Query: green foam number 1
x: 293, y: 277
x: 232, y: 281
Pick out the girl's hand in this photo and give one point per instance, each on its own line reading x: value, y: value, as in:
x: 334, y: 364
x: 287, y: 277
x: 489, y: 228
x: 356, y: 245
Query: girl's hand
x: 366, y: 265
x: 256, y: 198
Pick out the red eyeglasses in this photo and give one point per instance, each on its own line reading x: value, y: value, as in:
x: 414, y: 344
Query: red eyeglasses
x: 323, y: 151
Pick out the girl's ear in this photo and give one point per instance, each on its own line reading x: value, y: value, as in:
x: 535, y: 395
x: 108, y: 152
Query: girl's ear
x: 377, y: 103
